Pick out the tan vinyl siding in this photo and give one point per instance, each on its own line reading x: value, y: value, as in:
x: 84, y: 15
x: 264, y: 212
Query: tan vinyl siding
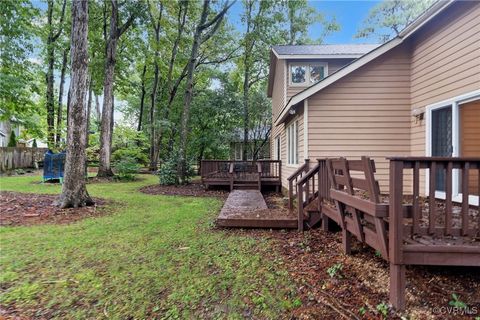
x: 278, y: 99
x: 366, y: 113
x: 333, y: 65
x: 445, y: 62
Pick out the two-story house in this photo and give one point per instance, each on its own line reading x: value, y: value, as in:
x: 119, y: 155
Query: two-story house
x: 416, y: 95
x: 294, y: 68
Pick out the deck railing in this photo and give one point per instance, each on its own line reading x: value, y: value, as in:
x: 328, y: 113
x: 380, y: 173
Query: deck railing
x: 293, y: 180
x: 231, y: 171
x: 217, y: 167
x: 433, y: 219
x: 313, y: 186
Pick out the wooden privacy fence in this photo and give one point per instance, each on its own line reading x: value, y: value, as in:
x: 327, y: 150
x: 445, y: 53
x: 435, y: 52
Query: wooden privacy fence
x: 20, y: 157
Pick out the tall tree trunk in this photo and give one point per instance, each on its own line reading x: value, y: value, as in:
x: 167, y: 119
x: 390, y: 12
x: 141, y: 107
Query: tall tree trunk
x: 98, y: 112
x: 246, y: 95
x: 50, y: 80
x: 74, y: 190
x: 89, y: 108
x: 142, y: 97
x: 172, y: 86
x: 104, y: 169
x: 60, y: 98
x: 106, y: 129
x: 153, y: 96
x: 198, y: 38
x: 188, y: 98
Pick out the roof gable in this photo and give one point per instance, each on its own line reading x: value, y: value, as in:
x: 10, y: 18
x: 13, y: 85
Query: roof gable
x: 433, y: 11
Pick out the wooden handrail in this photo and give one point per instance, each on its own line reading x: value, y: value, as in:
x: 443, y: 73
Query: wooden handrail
x: 301, y: 170
x: 309, y: 175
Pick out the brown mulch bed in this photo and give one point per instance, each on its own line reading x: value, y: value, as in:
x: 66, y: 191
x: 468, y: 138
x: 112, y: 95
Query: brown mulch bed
x: 18, y: 209
x: 362, y: 282
x: 194, y: 189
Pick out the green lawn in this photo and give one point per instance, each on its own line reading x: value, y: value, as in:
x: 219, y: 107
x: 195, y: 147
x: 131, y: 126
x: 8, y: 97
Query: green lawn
x: 153, y: 256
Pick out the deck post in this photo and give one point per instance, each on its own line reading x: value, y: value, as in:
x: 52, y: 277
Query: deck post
x: 279, y: 188
x: 397, y: 268
x: 300, y: 207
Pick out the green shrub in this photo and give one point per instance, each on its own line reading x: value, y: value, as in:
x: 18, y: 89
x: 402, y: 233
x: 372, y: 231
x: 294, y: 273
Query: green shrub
x: 12, y: 142
x: 168, y: 171
x: 130, y: 152
x: 93, y: 153
x: 126, y: 168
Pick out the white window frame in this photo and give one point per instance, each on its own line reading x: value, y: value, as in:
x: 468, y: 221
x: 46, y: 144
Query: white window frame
x: 306, y: 83
x: 291, y: 132
x: 455, y: 103
x: 277, y: 148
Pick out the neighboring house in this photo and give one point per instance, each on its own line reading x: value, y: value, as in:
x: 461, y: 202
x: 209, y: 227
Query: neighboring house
x: 416, y: 95
x: 6, y: 128
x: 258, y: 145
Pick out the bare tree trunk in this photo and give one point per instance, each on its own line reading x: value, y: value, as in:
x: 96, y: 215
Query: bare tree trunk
x: 74, y: 190
x: 172, y: 87
x: 98, y: 112
x: 142, y: 97
x: 50, y: 80
x: 198, y: 38
x: 60, y: 97
x: 155, y: 21
x: 188, y: 96
x: 104, y: 168
x: 89, y: 108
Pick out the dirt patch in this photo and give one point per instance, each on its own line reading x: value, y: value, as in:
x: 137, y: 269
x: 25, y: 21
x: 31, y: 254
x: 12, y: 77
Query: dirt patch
x: 18, y: 209
x: 194, y: 189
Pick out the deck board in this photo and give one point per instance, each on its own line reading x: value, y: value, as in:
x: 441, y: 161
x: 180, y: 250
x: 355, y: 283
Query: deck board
x: 247, y: 209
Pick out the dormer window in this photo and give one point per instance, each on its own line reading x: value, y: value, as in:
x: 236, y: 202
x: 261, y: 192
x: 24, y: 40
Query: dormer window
x: 305, y: 74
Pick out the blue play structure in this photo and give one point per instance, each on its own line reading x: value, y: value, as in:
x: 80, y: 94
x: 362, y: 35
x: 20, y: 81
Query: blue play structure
x: 53, y: 166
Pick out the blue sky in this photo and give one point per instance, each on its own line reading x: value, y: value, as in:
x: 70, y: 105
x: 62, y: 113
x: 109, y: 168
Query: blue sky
x: 349, y: 15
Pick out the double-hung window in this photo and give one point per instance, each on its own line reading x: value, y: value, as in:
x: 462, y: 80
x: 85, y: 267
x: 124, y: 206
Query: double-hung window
x: 305, y: 74
x: 292, y: 143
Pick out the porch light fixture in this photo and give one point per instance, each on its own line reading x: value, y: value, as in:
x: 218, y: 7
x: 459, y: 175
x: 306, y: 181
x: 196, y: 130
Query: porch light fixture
x: 292, y: 111
x: 418, y: 114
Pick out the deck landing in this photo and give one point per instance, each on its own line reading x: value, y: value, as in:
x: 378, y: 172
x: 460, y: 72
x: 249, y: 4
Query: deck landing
x: 247, y: 209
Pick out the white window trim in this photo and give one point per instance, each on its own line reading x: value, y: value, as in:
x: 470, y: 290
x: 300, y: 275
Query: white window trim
x: 455, y: 103
x: 305, y: 129
x: 277, y: 147
x: 307, y: 72
x: 293, y: 124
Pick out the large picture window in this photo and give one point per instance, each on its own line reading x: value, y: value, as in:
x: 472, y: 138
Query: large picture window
x: 292, y: 143
x: 307, y: 73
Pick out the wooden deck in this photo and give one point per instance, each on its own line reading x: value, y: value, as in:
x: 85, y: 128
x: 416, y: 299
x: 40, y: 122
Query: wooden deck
x: 241, y: 174
x: 406, y: 227
x: 247, y: 209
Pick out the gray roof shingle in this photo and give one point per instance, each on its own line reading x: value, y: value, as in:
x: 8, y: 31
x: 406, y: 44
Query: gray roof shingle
x: 325, y: 49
